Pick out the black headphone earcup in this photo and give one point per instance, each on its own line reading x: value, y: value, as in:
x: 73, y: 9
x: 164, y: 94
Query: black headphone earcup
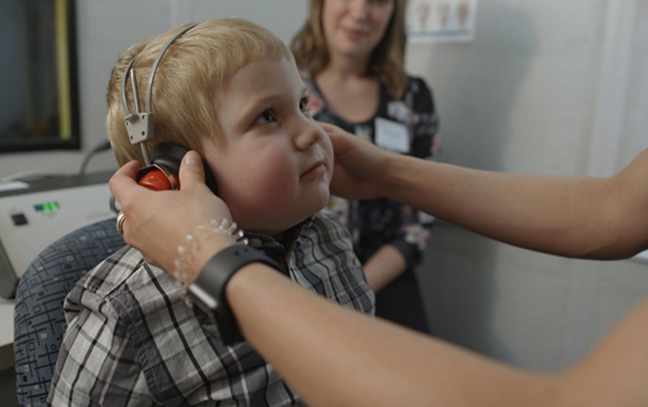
x: 170, y: 156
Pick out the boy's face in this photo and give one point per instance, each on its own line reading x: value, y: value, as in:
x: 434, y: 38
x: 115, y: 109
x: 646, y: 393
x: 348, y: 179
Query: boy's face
x: 275, y: 164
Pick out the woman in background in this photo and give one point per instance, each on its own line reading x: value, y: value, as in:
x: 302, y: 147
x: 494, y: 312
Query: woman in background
x: 351, y: 53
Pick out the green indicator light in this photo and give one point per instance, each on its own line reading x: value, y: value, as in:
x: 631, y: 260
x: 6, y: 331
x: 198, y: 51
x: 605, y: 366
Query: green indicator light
x: 47, y: 207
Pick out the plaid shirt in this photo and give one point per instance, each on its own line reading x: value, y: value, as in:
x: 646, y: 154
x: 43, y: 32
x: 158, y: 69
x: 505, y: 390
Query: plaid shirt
x: 132, y: 340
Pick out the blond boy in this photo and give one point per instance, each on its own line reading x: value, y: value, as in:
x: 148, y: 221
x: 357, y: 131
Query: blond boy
x: 230, y: 90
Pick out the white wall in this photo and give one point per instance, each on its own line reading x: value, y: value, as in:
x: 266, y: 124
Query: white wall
x: 635, y: 118
x: 528, y: 95
x: 523, y: 97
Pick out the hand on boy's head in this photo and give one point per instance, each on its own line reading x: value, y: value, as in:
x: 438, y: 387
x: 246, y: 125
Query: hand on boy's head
x: 358, y: 165
x: 157, y: 221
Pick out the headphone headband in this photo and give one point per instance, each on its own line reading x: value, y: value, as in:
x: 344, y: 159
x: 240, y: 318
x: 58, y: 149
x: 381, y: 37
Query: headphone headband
x: 140, y: 125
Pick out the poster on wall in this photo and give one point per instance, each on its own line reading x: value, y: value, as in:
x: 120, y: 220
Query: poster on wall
x: 441, y: 20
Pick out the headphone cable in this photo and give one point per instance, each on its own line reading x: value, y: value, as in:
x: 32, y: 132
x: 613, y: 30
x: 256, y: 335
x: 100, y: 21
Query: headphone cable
x: 103, y: 146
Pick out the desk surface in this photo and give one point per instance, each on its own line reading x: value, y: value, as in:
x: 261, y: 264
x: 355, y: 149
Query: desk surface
x: 6, y: 333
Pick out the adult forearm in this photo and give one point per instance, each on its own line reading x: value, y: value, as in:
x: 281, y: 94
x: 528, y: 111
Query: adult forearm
x: 337, y: 357
x: 384, y: 267
x: 614, y: 373
x: 568, y: 216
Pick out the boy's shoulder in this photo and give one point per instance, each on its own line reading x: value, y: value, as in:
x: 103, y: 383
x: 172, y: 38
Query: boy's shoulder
x: 124, y: 267
x: 121, y: 280
x: 112, y: 272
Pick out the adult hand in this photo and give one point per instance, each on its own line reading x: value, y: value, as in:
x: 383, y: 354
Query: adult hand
x: 158, y: 221
x: 359, y: 165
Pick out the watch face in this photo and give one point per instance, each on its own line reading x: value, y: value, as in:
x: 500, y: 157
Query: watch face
x: 200, y: 295
x: 200, y: 307
x: 220, y: 316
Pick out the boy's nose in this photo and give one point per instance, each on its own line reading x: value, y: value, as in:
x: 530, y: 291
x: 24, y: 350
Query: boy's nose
x: 309, y: 136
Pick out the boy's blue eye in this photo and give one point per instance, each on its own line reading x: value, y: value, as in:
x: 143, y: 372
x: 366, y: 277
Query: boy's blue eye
x: 303, y: 105
x: 265, y: 117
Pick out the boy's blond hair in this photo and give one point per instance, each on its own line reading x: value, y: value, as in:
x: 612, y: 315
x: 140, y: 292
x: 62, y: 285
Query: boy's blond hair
x: 187, y: 80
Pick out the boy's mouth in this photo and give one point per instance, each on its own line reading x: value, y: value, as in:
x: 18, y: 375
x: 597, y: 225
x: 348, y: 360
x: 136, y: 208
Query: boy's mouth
x: 314, y: 170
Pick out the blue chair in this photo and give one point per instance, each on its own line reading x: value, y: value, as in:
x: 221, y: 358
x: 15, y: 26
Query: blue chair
x: 39, y: 321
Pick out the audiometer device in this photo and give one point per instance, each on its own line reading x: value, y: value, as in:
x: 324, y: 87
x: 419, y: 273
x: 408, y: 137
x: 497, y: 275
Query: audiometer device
x: 35, y: 214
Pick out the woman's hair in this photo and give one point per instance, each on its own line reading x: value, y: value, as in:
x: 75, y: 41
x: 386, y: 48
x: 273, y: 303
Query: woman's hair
x: 386, y: 62
x: 190, y: 74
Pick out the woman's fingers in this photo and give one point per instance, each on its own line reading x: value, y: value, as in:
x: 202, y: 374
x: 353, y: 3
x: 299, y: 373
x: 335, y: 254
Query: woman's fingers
x: 122, y: 183
x: 358, y: 165
x: 156, y: 222
x: 192, y: 173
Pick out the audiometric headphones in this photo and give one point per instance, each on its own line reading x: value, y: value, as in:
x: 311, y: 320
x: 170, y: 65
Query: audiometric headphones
x: 163, y: 162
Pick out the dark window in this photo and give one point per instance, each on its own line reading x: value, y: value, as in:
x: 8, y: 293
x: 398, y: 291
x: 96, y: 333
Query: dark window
x: 39, y: 106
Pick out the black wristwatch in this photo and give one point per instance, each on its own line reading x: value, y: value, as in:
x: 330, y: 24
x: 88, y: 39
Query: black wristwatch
x: 208, y: 291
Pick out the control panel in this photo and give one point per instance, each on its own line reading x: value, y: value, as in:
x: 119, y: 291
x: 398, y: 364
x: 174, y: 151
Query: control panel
x: 35, y: 214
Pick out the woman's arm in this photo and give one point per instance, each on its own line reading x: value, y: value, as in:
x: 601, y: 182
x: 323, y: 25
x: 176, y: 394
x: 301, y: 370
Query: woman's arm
x: 333, y: 356
x: 337, y: 357
x: 383, y: 267
x: 602, y: 218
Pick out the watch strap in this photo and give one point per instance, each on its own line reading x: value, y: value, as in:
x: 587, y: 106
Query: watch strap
x: 208, y: 291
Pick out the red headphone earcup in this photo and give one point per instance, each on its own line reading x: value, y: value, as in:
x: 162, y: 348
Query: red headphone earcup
x: 157, y: 181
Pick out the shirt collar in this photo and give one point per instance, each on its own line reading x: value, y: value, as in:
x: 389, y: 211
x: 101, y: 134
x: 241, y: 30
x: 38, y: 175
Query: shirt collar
x: 278, y: 250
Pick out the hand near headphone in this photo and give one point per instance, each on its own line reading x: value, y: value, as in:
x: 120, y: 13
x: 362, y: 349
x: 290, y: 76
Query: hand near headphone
x: 359, y: 165
x: 156, y: 229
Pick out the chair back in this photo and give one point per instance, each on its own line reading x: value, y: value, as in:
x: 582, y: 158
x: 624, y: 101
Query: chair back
x: 39, y: 321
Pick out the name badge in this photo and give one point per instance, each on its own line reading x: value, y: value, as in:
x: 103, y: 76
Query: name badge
x: 392, y: 136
